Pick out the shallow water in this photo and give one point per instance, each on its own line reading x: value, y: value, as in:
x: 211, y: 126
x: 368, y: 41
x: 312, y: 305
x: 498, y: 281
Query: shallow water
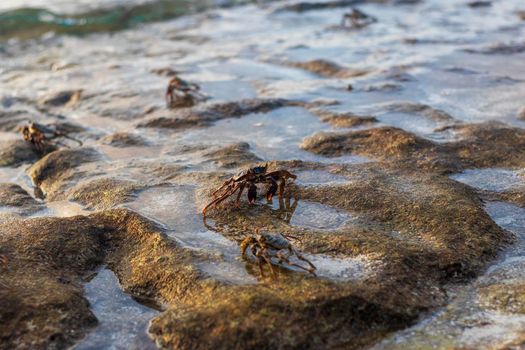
x: 123, y: 322
x: 495, y: 180
x: 319, y: 216
x: 235, y: 54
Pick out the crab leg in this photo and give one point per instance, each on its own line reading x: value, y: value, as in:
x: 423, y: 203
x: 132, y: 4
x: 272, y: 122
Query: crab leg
x: 272, y: 190
x: 300, y: 257
x: 241, y: 190
x: 80, y: 143
x: 283, y: 257
x: 266, y: 258
x: 220, y: 199
x: 225, y: 184
x: 282, y: 185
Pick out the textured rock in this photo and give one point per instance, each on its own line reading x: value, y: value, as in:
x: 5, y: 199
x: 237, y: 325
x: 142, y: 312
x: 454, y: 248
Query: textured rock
x: 326, y: 69
x: 207, y: 114
x: 14, y: 153
x: 53, y: 173
x: 480, y: 145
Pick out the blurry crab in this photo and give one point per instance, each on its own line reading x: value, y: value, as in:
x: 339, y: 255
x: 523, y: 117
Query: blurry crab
x: 357, y: 19
x: 180, y: 93
x: 265, y: 247
x: 43, y: 137
x: 250, y: 178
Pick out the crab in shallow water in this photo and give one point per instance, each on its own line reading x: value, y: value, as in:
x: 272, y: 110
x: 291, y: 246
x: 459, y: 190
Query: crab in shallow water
x: 357, y: 19
x: 180, y: 93
x: 265, y: 247
x: 42, y: 137
x: 249, y: 179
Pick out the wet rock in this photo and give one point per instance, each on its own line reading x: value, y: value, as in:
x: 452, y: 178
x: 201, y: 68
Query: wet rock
x: 12, y: 195
x: 504, y: 297
x: 478, y: 4
x: 490, y: 144
x: 304, y: 315
x: 41, y: 303
x: 357, y: 19
x: 500, y: 49
x: 419, y: 109
x: 422, y: 226
x: 382, y: 87
x: 205, y: 115
x: 165, y: 72
x: 105, y: 193
x: 383, y: 143
x: 123, y: 139
x: 62, y: 98
x: 11, y: 120
x: 54, y: 172
x: 343, y: 120
x: 483, y: 145
x: 316, y: 6
x: 326, y: 69
x: 233, y: 156
x: 136, y: 245
x: 14, y: 153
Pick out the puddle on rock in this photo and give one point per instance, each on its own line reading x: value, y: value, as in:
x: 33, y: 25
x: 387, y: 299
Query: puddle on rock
x: 493, y: 179
x: 342, y: 269
x: 319, y: 216
x: 123, y: 321
x: 62, y: 209
x: 319, y: 177
x: 175, y: 208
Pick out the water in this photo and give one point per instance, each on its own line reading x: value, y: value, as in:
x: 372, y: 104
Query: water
x: 235, y: 53
x: 30, y: 18
x: 319, y: 216
x: 123, y: 322
x: 495, y: 180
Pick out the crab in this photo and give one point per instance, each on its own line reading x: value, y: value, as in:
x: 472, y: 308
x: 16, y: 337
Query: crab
x: 249, y: 179
x: 266, y: 246
x: 180, y: 93
x: 42, y: 137
x: 357, y: 19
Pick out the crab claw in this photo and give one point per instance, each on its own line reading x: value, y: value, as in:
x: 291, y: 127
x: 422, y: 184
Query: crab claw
x: 252, y: 193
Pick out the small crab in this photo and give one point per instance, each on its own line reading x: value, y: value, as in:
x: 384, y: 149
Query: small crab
x: 42, y: 137
x: 180, y: 93
x: 357, y: 19
x: 250, y: 178
x: 265, y: 246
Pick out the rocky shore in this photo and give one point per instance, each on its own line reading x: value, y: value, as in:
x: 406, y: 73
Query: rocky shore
x: 409, y: 198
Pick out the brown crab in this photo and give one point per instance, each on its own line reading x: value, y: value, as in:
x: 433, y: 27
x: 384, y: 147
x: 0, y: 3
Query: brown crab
x: 357, y: 19
x: 265, y: 247
x: 42, y: 137
x: 249, y: 179
x: 180, y: 93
